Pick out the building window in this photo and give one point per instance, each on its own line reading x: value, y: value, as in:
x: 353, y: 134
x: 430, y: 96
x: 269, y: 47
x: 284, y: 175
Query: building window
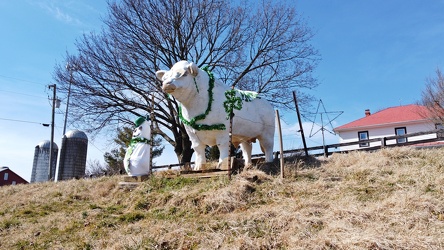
x: 363, y: 135
x: 5, y: 177
x: 401, y: 131
x: 13, y: 182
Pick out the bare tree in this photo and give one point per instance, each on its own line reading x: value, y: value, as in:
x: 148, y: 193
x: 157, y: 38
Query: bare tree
x: 114, y: 159
x: 259, y: 47
x: 433, y: 97
x: 94, y: 169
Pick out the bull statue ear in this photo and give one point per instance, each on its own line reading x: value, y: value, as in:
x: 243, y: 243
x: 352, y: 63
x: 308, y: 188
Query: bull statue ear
x: 159, y: 74
x: 193, y: 69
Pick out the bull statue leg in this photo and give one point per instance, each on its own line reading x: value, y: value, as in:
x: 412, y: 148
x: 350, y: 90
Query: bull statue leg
x: 266, y: 143
x: 200, y: 156
x: 223, y: 153
x: 247, y: 147
x: 222, y: 142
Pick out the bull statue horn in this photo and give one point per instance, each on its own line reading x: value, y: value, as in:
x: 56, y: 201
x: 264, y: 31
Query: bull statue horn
x: 193, y: 69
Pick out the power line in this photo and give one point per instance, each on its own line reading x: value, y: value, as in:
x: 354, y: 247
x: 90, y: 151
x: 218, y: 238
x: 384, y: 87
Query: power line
x: 14, y: 92
x: 22, y: 80
x: 96, y: 147
x: 14, y: 120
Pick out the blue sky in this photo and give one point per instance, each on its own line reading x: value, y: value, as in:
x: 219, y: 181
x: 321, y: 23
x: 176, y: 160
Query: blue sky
x: 375, y: 54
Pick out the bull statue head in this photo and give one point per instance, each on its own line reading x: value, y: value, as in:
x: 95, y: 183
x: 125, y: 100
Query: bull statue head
x: 180, y: 69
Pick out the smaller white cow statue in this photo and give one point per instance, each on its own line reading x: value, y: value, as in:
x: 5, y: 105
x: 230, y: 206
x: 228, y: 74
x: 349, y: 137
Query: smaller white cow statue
x: 137, y: 157
x: 205, y: 107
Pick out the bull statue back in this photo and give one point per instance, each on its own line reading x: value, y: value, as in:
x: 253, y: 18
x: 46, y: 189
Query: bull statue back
x: 204, y: 109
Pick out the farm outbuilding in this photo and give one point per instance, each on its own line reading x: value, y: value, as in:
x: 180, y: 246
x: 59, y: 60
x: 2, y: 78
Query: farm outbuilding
x: 9, y: 177
x: 393, y: 121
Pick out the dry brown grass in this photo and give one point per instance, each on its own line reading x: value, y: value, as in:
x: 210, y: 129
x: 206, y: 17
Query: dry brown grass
x: 390, y: 199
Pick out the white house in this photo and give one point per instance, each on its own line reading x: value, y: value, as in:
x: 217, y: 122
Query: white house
x: 392, y: 121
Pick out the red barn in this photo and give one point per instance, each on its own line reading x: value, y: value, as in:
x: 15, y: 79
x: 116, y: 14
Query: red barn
x: 8, y: 177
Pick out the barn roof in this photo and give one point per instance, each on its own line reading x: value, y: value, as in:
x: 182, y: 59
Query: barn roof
x: 14, y: 176
x: 389, y: 116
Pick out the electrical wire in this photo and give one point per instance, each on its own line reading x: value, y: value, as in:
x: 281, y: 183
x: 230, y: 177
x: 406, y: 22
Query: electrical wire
x: 14, y: 92
x: 14, y: 120
x: 22, y: 80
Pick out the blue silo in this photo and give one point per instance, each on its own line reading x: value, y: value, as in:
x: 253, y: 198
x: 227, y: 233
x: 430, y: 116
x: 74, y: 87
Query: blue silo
x: 73, y: 155
x: 40, y: 166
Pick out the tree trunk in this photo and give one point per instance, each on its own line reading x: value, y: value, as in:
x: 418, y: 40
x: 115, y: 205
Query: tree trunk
x: 183, y: 149
x: 187, y: 154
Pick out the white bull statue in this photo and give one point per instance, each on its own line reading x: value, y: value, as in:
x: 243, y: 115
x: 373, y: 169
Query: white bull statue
x: 205, y: 108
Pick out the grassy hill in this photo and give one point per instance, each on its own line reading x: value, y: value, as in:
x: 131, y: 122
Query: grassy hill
x: 390, y: 199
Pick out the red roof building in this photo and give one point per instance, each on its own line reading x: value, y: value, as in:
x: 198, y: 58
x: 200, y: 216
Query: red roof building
x: 391, y: 121
x: 8, y: 177
x: 389, y: 117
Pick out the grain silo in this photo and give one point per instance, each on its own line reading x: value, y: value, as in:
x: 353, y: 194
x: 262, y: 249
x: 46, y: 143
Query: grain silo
x: 40, y: 166
x: 73, y: 155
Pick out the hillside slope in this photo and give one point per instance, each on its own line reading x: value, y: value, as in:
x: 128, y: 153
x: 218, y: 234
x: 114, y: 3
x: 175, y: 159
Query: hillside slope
x: 390, y: 199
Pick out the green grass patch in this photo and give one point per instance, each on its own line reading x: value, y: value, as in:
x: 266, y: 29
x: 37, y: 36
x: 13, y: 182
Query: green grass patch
x: 131, y: 217
x: 9, y: 223
x: 166, y: 184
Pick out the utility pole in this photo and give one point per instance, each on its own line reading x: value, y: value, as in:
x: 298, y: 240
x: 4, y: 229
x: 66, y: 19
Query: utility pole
x: 69, y: 68
x: 53, y: 86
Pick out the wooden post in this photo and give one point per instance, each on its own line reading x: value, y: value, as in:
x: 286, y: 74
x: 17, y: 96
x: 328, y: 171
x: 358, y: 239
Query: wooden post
x: 230, y: 141
x: 150, y: 168
x: 323, y: 139
x: 300, y: 123
x: 325, y: 151
x: 281, y: 152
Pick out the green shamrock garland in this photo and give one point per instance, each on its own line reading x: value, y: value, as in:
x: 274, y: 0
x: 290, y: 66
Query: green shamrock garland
x: 232, y: 102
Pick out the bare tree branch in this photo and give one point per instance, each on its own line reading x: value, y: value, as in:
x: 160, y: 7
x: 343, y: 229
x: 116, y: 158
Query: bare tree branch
x: 433, y: 96
x: 259, y: 47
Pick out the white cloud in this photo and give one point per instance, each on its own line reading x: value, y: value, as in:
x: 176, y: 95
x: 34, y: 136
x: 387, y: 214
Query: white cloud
x: 59, y: 10
x: 59, y: 14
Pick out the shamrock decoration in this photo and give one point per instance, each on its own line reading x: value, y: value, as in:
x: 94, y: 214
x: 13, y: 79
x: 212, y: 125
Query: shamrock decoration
x: 232, y: 102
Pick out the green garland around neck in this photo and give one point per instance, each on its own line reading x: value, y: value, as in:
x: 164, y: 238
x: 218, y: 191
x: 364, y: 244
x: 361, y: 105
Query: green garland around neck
x: 130, y: 149
x: 136, y: 140
x: 192, y: 123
